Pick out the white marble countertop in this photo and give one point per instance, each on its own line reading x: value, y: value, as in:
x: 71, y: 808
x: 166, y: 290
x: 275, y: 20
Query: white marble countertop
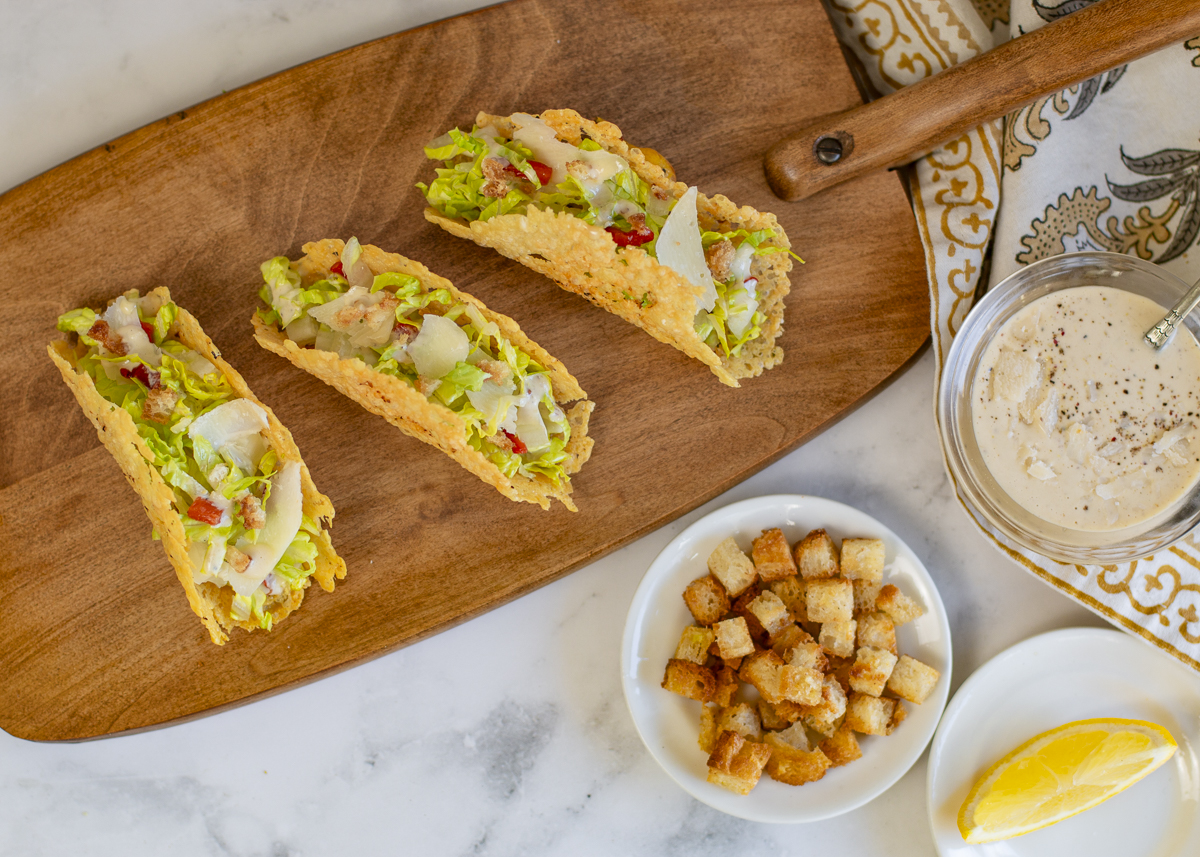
x: 509, y: 734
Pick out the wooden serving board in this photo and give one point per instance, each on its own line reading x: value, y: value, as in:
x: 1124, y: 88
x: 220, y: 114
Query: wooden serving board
x: 95, y: 634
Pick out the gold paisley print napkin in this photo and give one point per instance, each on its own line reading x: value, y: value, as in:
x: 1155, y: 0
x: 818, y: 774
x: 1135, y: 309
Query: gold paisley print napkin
x: 1111, y: 164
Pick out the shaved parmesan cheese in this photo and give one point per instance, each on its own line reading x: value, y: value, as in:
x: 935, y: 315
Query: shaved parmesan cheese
x: 233, y: 429
x: 439, y: 346
x: 679, y: 248
x: 284, y: 515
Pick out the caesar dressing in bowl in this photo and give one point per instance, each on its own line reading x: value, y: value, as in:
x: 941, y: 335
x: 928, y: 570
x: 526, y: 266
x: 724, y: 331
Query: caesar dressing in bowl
x: 1062, y: 428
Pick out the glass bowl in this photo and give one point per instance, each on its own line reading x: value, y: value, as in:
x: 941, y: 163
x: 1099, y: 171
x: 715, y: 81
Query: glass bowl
x: 976, y: 486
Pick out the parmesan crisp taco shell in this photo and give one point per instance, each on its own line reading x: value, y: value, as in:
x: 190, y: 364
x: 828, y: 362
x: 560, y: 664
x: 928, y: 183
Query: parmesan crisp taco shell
x: 405, y: 408
x: 118, y: 433
x: 583, y: 258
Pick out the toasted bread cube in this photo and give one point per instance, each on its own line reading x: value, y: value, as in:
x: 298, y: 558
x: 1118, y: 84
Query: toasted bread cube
x: 743, y: 770
x: 794, y: 766
x: 708, y: 727
x: 761, y: 670
x: 830, y: 600
x: 839, y: 671
x: 727, y: 685
x: 772, y: 555
x: 898, y: 605
x: 741, y: 607
x: 694, y: 643
x: 898, y: 715
x: 689, y: 679
x: 791, y: 592
x: 862, y: 559
x: 732, y: 567
x: 725, y: 750
x: 742, y: 719
x: 841, y: 747
x: 733, y: 638
x: 794, y: 736
x: 810, y: 655
x: 912, y: 680
x: 824, y: 717
x: 707, y: 600
x: 869, y: 715
x: 876, y: 630
x: 771, y: 719
x: 837, y: 638
x: 871, y: 670
x: 801, y: 684
x: 770, y: 612
x: 817, y: 556
x: 865, y: 593
x: 790, y: 711
x: 787, y: 638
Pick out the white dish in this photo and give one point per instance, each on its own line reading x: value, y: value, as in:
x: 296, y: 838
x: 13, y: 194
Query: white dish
x: 1055, y: 678
x: 669, y: 724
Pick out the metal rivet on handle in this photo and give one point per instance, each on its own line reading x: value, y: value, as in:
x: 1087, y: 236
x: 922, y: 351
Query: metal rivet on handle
x: 828, y: 149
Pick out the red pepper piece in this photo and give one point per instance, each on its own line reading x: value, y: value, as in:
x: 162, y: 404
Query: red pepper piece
x: 336, y: 268
x: 147, y: 377
x: 517, y: 444
x: 149, y: 328
x: 204, y: 511
x: 543, y: 171
x: 632, y: 238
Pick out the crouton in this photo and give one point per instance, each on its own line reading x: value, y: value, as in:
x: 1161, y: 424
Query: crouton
x: 809, y: 654
x: 817, y: 556
x: 871, y: 670
x: 731, y: 567
x: 869, y: 715
x: 837, y: 638
x: 898, y: 715
x: 794, y: 736
x: 689, y: 679
x: 772, y: 556
x: 727, y: 685
x: 761, y: 670
x: 787, y: 638
x: 795, y: 767
x: 725, y: 750
x: 877, y: 631
x: 824, y: 718
x: 912, y: 680
x: 898, y: 605
x: 742, y: 719
x: 800, y: 684
x: 790, y: 711
x: 707, y: 600
x: 708, y: 727
x: 741, y: 607
x: 694, y: 643
x: 829, y: 600
x: 740, y: 770
x: 770, y: 612
x: 791, y: 592
x: 862, y: 559
x: 865, y: 593
x: 733, y: 638
x: 841, y: 747
x: 770, y: 718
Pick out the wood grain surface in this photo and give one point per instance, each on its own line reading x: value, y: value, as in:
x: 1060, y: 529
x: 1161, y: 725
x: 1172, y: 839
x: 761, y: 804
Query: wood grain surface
x: 940, y: 108
x: 95, y: 634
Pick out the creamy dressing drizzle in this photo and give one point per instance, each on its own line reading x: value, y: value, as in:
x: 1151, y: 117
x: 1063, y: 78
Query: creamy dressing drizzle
x: 1079, y: 421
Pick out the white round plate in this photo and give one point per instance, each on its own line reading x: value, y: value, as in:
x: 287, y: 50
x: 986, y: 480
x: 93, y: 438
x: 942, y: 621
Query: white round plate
x: 669, y: 723
x: 1052, y: 679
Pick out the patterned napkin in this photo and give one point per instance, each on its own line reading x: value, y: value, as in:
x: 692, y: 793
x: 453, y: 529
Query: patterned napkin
x: 1110, y: 164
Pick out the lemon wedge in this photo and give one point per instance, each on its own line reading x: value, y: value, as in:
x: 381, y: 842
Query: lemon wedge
x: 1061, y: 773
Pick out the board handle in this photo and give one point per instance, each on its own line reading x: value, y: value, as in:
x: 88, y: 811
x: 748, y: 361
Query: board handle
x: 901, y: 127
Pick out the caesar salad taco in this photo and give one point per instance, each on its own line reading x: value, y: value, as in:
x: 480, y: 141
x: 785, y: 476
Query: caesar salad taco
x: 570, y: 199
x: 433, y: 361
x: 219, y: 476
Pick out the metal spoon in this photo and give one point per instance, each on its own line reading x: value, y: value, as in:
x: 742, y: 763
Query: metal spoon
x: 1157, y: 336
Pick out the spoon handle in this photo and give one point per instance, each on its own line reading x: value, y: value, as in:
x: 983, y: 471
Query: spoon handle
x: 1157, y: 336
